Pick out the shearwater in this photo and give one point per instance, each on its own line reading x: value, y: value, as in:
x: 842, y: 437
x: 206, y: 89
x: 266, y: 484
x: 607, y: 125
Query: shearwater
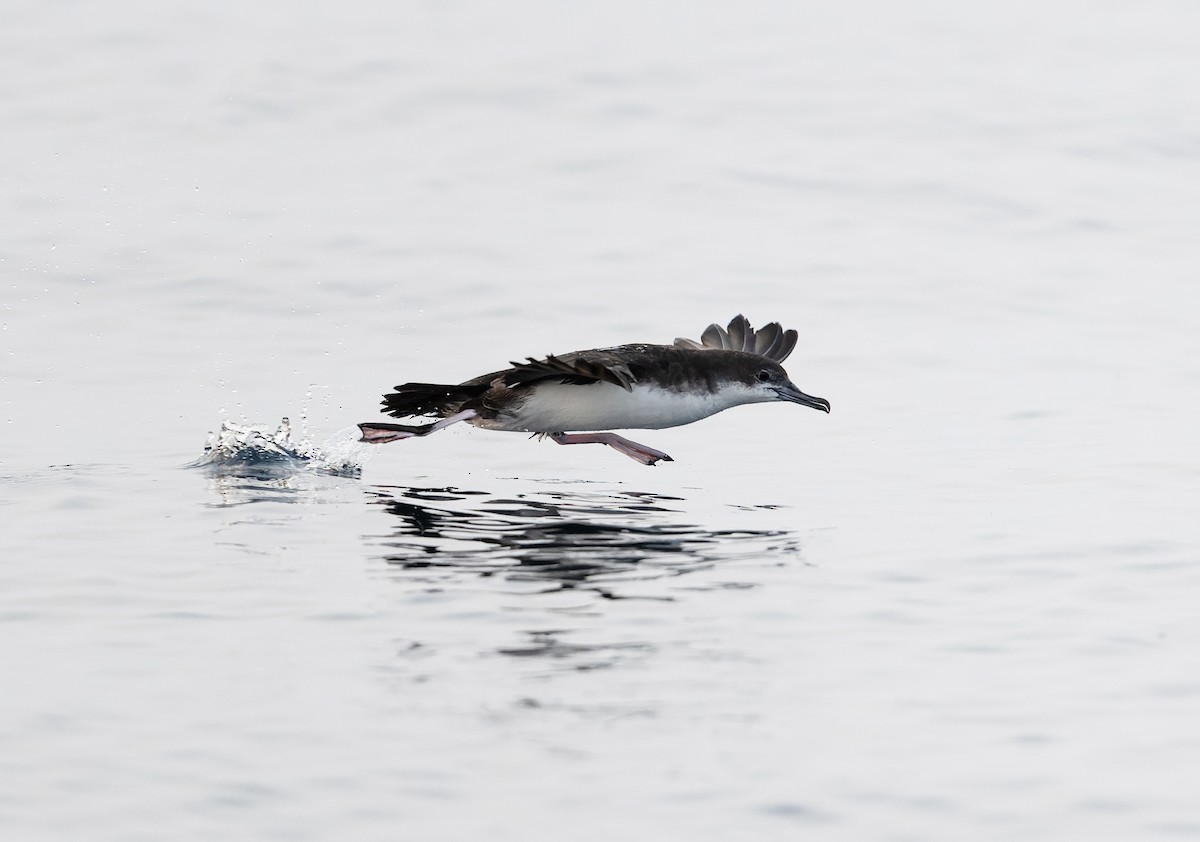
x: 578, y: 398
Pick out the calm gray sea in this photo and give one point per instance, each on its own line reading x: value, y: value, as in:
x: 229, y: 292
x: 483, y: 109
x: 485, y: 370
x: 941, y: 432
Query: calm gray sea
x: 962, y: 606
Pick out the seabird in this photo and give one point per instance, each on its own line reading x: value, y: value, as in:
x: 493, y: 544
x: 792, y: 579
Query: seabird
x: 578, y: 398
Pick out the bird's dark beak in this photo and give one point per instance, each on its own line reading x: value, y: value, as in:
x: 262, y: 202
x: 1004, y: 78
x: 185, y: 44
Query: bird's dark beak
x: 791, y: 393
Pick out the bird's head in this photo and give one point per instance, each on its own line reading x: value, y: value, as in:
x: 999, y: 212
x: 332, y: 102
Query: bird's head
x: 761, y: 380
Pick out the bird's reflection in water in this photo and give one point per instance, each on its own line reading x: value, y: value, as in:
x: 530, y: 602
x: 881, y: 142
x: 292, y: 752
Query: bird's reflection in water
x: 561, y: 539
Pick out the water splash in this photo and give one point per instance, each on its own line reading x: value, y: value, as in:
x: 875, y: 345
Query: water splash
x: 257, y: 450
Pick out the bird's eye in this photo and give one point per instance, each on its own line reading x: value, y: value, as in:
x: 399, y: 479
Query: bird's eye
x: 764, y: 376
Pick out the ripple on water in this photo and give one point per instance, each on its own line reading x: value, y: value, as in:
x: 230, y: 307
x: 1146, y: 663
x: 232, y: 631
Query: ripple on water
x: 561, y: 548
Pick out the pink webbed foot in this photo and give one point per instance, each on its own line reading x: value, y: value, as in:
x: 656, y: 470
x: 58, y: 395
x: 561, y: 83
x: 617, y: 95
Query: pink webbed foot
x: 638, y: 452
x: 382, y: 433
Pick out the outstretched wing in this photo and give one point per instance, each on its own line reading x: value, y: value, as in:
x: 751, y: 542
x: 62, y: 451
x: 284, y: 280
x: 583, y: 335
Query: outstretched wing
x: 772, y: 341
x: 578, y: 368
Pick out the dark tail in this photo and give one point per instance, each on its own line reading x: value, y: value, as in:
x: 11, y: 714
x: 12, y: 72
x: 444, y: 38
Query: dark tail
x: 429, y: 399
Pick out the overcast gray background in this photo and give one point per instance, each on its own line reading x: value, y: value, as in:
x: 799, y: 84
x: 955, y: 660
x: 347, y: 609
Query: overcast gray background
x: 961, y: 606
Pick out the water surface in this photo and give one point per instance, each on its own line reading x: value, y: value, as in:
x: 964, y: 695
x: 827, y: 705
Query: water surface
x: 961, y: 606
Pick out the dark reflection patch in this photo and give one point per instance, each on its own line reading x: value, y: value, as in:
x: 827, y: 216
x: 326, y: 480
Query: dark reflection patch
x: 564, y: 539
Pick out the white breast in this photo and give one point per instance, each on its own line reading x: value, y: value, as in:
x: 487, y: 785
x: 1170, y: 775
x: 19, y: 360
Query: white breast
x: 561, y: 408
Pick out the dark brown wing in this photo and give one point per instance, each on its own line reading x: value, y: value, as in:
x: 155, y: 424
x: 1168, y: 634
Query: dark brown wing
x: 578, y: 368
x: 771, y: 342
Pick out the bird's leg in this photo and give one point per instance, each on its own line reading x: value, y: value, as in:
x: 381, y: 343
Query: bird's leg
x: 383, y: 433
x: 643, y: 454
x: 465, y: 415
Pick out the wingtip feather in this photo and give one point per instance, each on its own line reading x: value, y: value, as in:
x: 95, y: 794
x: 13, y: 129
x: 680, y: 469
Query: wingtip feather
x: 771, y: 341
x: 785, y: 348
